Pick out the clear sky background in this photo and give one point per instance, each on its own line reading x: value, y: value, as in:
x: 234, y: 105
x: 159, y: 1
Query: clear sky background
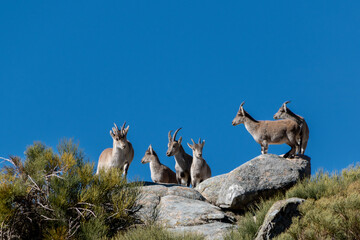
x: 73, y: 68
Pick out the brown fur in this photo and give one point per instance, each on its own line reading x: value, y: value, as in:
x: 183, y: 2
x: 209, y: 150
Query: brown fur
x: 200, y: 170
x: 159, y: 172
x: 183, y: 160
x: 285, y: 113
x: 122, y: 153
x: 270, y: 132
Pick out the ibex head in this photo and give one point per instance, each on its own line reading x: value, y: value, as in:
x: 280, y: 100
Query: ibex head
x: 173, y: 145
x: 282, y: 111
x: 240, y: 116
x: 119, y: 136
x: 149, y: 155
x: 197, y: 148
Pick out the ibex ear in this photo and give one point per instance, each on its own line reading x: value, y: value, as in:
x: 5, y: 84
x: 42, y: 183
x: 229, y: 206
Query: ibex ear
x: 180, y: 139
x: 190, y: 146
x: 126, y: 130
x: 112, y: 134
x: 241, y: 109
x: 151, y: 149
x: 203, y: 143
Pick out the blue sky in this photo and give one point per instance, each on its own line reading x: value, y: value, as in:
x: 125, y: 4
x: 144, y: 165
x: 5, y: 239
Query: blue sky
x: 72, y: 69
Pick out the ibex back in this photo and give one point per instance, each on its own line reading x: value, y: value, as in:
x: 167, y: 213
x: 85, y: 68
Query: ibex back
x: 120, y: 155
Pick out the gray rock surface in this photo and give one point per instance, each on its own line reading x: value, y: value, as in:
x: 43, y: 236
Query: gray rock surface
x: 260, y: 177
x: 180, y: 208
x: 210, y: 188
x: 279, y: 218
x: 304, y: 164
x: 214, y: 230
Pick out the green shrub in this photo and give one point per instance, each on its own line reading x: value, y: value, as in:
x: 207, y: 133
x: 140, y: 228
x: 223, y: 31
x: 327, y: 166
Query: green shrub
x: 154, y: 233
x: 331, y: 209
x: 57, y: 196
x: 324, y: 184
x: 333, y: 217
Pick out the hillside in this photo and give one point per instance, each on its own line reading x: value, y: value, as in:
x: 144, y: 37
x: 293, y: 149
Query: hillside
x: 51, y: 195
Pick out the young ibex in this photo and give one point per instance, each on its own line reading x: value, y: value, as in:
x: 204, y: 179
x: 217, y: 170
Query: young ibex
x: 122, y: 153
x: 270, y: 132
x: 159, y: 172
x: 285, y: 113
x: 182, y: 159
x: 200, y: 170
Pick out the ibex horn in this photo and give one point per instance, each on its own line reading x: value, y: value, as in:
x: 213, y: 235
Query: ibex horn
x: 123, y: 126
x: 241, y: 105
x: 287, y: 102
x: 174, y: 136
x: 285, y: 107
x: 169, y: 135
x: 199, y: 140
x: 193, y: 142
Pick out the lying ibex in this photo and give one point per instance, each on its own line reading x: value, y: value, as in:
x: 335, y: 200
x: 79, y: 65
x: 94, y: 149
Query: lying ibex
x: 285, y: 113
x: 159, y: 172
x: 122, y: 153
x: 270, y: 132
x: 182, y: 159
x: 200, y: 170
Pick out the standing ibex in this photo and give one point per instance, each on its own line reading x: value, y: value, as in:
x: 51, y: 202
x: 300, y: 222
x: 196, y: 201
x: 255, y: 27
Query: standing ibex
x: 200, y: 170
x: 159, y: 172
x: 122, y: 153
x: 270, y: 132
x: 285, y: 113
x: 182, y: 159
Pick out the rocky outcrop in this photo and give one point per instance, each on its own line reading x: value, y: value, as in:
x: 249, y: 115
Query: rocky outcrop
x: 260, y: 177
x: 279, y: 218
x: 180, y: 208
x: 201, y: 210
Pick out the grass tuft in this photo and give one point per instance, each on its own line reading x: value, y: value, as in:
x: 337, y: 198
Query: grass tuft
x: 154, y: 232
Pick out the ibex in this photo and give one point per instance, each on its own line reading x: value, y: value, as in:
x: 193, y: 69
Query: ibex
x: 285, y: 113
x: 182, y: 159
x: 200, y: 170
x: 159, y: 172
x: 270, y: 132
x: 122, y: 153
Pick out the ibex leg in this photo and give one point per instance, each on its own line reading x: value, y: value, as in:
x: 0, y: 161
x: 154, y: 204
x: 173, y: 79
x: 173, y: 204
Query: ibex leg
x: 264, y: 147
x: 126, y: 168
x: 290, y: 154
x: 188, y: 182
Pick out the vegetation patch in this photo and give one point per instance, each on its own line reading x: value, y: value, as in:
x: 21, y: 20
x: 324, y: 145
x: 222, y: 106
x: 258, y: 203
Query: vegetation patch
x: 334, y: 213
x: 154, y: 233
x: 331, y: 209
x: 57, y: 196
